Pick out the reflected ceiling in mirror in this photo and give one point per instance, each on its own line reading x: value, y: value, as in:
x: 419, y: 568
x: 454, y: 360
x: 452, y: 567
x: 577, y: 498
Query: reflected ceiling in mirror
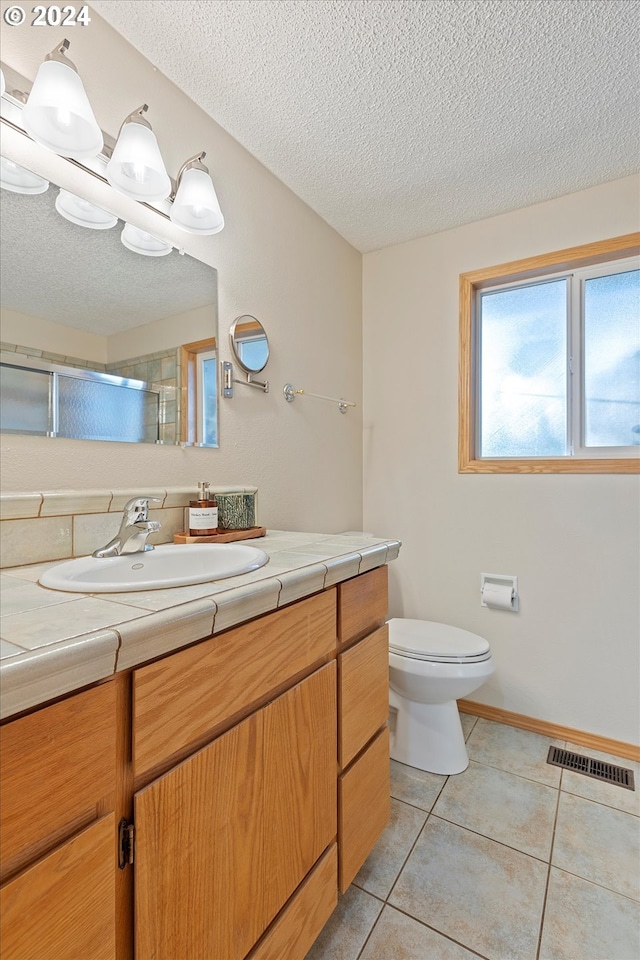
x: 80, y: 297
x: 86, y: 278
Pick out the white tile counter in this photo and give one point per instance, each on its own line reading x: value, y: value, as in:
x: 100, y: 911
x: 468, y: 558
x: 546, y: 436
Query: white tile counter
x: 53, y: 642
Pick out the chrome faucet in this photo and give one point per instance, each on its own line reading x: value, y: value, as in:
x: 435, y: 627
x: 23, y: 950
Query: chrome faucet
x: 135, y: 527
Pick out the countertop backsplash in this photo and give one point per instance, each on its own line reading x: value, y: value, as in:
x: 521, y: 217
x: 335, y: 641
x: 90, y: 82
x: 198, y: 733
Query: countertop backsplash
x: 39, y: 527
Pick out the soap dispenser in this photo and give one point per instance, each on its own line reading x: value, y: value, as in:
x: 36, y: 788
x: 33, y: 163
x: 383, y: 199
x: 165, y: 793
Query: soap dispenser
x: 203, y: 513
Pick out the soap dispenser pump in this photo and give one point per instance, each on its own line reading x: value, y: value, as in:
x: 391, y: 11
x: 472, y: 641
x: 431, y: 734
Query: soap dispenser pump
x: 203, y: 513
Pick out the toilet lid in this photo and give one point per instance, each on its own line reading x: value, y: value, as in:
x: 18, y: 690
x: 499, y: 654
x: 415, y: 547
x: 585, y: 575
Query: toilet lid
x: 428, y: 640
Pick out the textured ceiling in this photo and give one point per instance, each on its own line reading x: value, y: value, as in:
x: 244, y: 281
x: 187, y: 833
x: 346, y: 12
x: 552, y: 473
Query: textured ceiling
x: 86, y: 278
x: 398, y: 118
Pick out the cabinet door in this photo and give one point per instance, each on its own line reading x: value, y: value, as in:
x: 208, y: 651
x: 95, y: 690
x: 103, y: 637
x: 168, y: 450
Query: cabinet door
x: 224, y: 838
x: 199, y: 853
x: 300, y: 783
x: 64, y: 905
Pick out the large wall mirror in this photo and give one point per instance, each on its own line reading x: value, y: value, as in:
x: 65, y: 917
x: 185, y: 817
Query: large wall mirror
x: 95, y: 334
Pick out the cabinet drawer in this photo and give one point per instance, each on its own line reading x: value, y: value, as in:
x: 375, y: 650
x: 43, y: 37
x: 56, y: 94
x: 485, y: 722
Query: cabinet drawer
x: 363, y: 672
x: 64, y: 906
x: 293, y: 932
x: 364, y: 806
x: 178, y: 700
x: 55, y: 766
x: 362, y: 604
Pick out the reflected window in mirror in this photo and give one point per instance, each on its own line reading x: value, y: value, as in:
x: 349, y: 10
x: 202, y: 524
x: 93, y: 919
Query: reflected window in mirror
x: 199, y: 391
x: 249, y: 343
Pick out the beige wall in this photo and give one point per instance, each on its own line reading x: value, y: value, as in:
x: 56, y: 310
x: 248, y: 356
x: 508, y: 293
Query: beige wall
x: 28, y: 331
x: 570, y: 656
x: 276, y: 259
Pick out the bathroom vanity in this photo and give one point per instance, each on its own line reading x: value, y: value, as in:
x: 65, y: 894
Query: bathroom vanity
x: 207, y: 803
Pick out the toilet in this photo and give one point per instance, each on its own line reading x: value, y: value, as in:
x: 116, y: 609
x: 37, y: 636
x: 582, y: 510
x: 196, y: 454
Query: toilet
x: 431, y: 665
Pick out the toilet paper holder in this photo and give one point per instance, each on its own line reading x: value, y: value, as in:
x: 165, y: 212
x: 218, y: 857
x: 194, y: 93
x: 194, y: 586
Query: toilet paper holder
x: 499, y: 591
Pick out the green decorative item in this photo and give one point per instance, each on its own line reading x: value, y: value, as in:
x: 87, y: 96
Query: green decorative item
x: 236, y: 511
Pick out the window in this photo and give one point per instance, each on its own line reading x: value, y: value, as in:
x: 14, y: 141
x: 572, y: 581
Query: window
x: 199, y: 392
x: 206, y: 402
x: 550, y: 363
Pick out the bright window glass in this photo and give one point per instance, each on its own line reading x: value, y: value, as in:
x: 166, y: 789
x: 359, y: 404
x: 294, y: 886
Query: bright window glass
x: 523, y: 371
x: 207, y: 403
x: 612, y: 360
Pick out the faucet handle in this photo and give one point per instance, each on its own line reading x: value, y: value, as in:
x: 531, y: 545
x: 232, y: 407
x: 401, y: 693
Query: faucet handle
x: 138, y: 508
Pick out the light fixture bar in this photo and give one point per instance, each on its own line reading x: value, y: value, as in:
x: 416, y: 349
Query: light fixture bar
x: 199, y: 212
x: 16, y: 93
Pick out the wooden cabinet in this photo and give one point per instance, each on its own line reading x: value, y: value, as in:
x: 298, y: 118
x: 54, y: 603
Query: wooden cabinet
x: 363, y: 710
x: 251, y: 769
x: 363, y: 672
x: 363, y: 787
x: 57, y: 781
x: 180, y: 701
x: 64, y: 905
x: 224, y: 839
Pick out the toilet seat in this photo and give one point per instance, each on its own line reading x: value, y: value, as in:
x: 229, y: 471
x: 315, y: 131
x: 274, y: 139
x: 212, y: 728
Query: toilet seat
x: 438, y: 642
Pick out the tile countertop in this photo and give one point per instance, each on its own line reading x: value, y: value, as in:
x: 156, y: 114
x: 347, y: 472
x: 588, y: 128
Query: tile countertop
x: 52, y: 643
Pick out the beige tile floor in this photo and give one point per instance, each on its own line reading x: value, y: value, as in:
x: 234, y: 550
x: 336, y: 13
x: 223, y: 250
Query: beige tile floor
x: 511, y: 860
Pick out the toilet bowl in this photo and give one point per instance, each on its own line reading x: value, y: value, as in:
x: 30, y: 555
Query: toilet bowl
x: 431, y: 665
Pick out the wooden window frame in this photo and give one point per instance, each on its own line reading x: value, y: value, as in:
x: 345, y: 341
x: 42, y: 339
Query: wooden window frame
x: 570, y: 259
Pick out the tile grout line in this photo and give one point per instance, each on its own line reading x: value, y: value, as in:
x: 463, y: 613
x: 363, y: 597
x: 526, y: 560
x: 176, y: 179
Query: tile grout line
x: 445, y: 936
x: 461, y: 826
x: 546, y: 887
x: 420, y: 832
x: 385, y: 902
x: 404, y: 862
x: 492, y: 766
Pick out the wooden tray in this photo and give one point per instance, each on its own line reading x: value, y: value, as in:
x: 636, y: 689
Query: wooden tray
x: 227, y: 537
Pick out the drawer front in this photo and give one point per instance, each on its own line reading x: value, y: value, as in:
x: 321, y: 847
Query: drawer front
x: 363, y: 604
x: 178, y: 700
x: 71, y: 745
x: 364, y: 806
x: 293, y: 932
x: 363, y: 672
x: 64, y: 905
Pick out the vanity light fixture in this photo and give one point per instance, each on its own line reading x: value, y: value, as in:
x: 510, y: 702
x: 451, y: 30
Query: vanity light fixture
x: 136, y: 167
x: 144, y: 243
x: 81, y: 212
x: 18, y: 179
x: 195, y: 206
x: 57, y: 113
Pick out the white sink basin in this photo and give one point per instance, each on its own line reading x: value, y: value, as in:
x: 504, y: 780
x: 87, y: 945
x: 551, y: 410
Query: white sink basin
x: 170, y: 565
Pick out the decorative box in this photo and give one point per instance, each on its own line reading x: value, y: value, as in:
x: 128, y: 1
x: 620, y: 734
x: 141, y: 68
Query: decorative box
x: 236, y: 511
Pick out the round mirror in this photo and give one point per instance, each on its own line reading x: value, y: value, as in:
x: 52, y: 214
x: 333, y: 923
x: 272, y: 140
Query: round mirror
x: 249, y: 343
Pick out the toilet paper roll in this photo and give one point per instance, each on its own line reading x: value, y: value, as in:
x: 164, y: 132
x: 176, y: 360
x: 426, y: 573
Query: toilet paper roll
x: 498, y: 595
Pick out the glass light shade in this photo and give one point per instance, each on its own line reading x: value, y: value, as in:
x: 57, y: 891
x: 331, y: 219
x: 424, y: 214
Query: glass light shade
x: 58, y: 113
x: 3, y: 84
x: 196, y: 208
x: 140, y: 242
x: 81, y: 212
x: 20, y: 180
x: 136, y: 168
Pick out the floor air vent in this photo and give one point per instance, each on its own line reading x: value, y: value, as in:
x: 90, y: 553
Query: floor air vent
x: 621, y: 776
